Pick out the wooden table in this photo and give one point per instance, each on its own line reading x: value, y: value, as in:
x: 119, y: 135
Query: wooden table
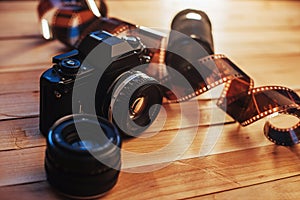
x: 262, y: 37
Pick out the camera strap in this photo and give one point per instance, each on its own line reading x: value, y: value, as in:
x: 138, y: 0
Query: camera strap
x: 71, y: 21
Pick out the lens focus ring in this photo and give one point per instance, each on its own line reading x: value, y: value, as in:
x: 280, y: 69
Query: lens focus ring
x: 136, y: 102
x: 70, y: 164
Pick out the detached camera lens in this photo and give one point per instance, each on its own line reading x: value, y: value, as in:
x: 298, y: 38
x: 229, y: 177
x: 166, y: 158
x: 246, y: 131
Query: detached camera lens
x: 84, y: 165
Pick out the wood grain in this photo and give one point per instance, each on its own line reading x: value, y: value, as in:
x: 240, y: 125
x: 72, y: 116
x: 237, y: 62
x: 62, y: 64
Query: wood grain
x: 225, y: 15
x: 19, y: 105
x: 26, y: 80
x: 20, y: 134
x: 262, y: 37
x: 235, y: 139
x: 184, y: 179
x: 18, y: 53
x: 286, y: 188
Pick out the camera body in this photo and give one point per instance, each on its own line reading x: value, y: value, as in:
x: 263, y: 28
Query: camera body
x: 101, y: 70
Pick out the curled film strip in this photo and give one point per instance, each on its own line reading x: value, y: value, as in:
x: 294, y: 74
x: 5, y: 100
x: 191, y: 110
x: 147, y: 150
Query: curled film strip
x: 239, y: 98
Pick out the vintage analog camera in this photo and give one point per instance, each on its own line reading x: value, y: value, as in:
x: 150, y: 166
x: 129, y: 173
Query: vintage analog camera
x: 101, y: 78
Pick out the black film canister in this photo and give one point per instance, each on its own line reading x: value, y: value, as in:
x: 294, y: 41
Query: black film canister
x: 195, y: 24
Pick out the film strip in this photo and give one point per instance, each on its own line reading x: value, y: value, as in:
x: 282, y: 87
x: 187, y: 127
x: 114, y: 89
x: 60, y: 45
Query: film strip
x: 239, y: 99
x: 68, y: 20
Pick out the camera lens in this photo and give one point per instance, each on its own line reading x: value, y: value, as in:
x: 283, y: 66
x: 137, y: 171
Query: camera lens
x: 85, y: 165
x: 136, y: 102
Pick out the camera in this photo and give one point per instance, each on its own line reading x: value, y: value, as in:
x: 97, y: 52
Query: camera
x: 102, y: 77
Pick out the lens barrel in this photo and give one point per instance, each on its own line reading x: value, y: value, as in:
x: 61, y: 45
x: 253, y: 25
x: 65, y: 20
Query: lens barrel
x: 136, y: 102
x: 83, y: 166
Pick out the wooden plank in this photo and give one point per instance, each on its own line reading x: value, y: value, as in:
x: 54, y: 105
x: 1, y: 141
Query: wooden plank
x: 26, y: 80
x: 207, y: 141
x: 257, y: 43
x: 20, y: 134
x: 18, y: 105
x: 28, y: 52
x: 181, y: 179
x: 287, y: 188
x: 270, y: 70
x: 35, y: 191
x: 21, y: 166
x: 212, y: 173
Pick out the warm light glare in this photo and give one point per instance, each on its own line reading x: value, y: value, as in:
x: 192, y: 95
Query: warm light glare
x: 93, y: 7
x: 275, y: 114
x: 195, y: 16
x: 45, y: 29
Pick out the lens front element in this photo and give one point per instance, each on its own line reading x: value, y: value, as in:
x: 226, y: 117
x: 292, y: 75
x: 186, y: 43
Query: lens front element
x: 137, y: 107
x: 136, y: 102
